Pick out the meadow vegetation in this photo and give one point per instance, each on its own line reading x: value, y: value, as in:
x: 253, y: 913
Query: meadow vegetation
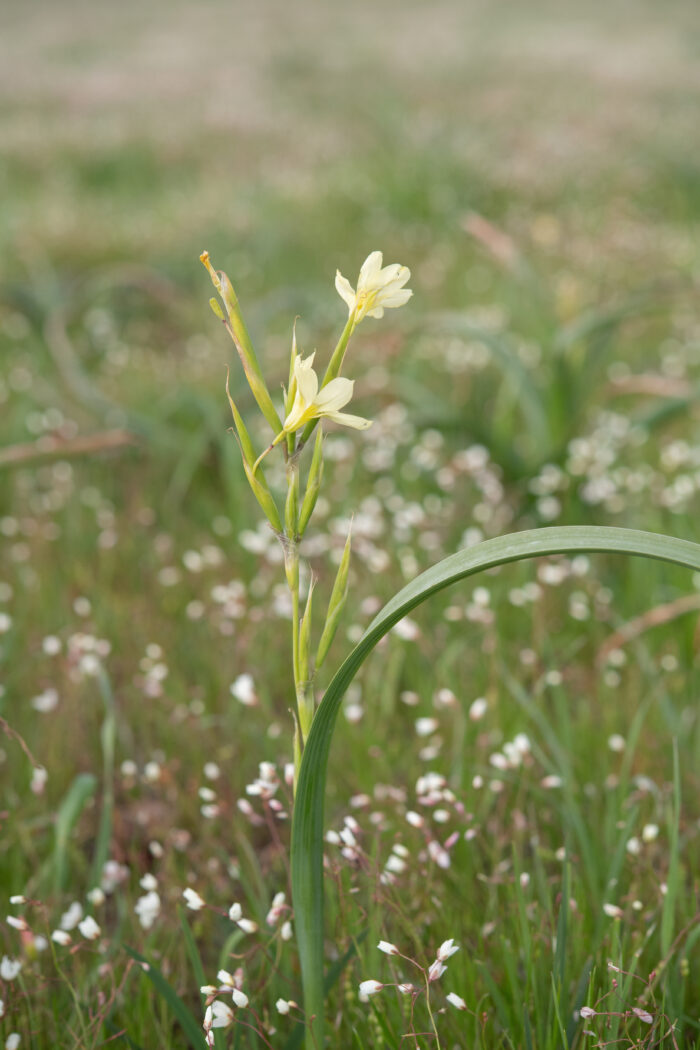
x: 516, y: 767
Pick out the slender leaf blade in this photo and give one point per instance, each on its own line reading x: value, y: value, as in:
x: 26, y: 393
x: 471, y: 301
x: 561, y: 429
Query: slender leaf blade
x: 307, y: 826
x: 178, y: 1009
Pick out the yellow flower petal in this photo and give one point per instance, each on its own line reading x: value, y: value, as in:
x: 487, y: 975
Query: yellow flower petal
x: 334, y: 395
x: 348, y: 420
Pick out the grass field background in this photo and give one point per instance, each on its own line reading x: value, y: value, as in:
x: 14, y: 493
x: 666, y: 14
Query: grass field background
x: 537, y: 167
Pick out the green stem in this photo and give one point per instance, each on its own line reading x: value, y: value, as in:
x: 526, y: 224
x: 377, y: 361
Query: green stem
x: 430, y: 1012
x: 333, y: 370
x: 336, y: 362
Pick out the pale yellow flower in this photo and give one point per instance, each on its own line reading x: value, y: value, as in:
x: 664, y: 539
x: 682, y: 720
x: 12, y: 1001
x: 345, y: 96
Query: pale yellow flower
x: 377, y: 288
x: 311, y: 403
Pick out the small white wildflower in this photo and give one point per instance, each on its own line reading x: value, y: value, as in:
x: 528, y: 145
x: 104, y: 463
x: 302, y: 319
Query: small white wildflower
x: 521, y: 743
x: 71, y: 918
x: 370, y: 987
x: 148, y: 882
x: 148, y: 909
x: 282, y: 1006
x: 478, y: 709
x: 436, y: 970
x: 456, y: 1000
x: 12, y: 1041
x: 643, y: 1015
x: 276, y: 909
x: 633, y: 846
x: 426, y: 726
x: 96, y: 896
x: 499, y: 761
x: 247, y: 925
x: 650, y: 832
x: 388, y: 948
x: 18, y: 898
x: 616, y: 742
x: 9, y: 968
x: 89, y: 928
x: 439, y: 854
x: 587, y: 1011
x: 243, y: 689
x: 235, y: 912
x: 268, y: 772
x: 286, y: 931
x: 61, y: 937
x: 218, y: 1015
x: 405, y: 988
x: 208, y: 989
x: 612, y: 911
x: 239, y: 998
x: 446, y: 949
x: 38, y: 781
x: 347, y: 837
x: 46, y: 701
x: 193, y: 899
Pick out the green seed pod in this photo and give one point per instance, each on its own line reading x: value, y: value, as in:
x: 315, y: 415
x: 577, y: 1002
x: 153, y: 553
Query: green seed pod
x: 291, y: 509
x: 335, y: 605
x: 305, y: 636
x: 216, y: 308
x: 291, y: 565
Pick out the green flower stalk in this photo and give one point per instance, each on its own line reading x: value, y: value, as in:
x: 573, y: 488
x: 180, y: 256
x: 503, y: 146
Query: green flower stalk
x: 307, y: 401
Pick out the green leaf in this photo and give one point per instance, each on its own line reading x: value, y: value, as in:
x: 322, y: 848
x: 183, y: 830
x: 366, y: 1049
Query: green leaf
x: 79, y: 794
x: 182, y: 1014
x: 307, y: 826
x: 196, y: 964
x: 296, y: 1037
x: 108, y: 735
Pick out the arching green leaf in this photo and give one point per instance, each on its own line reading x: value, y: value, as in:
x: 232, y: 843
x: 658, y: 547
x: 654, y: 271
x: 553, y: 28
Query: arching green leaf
x: 307, y: 827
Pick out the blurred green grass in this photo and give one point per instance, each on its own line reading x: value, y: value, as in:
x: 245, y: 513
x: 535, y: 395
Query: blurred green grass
x: 290, y: 140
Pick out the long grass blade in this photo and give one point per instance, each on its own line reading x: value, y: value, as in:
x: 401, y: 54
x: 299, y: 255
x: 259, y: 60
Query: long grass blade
x: 307, y: 827
x: 79, y: 794
x: 182, y: 1014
